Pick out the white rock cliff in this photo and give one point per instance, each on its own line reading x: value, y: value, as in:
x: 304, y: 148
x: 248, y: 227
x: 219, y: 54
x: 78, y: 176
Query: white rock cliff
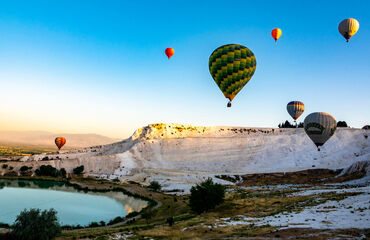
x: 178, y: 155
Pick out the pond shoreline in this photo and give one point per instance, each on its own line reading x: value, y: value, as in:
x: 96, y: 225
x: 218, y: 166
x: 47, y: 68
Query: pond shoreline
x: 90, y: 185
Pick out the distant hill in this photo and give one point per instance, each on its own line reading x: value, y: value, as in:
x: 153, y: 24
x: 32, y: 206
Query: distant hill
x: 47, y: 139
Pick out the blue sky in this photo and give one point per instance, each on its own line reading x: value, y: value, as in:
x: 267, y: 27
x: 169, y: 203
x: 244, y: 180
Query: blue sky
x: 99, y: 66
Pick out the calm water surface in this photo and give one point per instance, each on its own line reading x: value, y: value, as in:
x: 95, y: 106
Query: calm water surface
x: 73, y: 206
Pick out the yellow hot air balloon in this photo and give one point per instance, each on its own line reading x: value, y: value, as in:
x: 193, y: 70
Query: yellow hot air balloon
x: 348, y: 27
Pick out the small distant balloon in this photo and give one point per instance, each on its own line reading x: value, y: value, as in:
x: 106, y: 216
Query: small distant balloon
x: 295, y: 109
x: 232, y: 66
x: 60, y: 141
x: 169, y: 52
x: 348, y: 27
x: 320, y: 126
x: 276, y: 33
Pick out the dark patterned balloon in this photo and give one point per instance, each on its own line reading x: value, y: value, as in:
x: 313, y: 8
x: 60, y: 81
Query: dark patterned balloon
x: 320, y: 126
x: 232, y: 66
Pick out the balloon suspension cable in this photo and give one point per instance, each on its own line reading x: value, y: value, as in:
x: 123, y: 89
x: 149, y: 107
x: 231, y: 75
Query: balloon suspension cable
x: 229, y: 104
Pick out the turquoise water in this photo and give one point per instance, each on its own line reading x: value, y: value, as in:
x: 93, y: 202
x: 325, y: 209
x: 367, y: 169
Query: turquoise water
x: 73, y: 206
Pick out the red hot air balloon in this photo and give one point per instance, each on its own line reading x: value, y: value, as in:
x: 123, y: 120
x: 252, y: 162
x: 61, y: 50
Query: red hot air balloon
x: 60, y: 141
x: 276, y: 33
x: 169, y: 52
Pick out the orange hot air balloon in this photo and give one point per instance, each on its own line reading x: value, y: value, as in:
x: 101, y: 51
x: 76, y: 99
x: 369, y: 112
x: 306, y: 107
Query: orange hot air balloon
x: 169, y: 52
x: 60, y: 141
x: 276, y: 33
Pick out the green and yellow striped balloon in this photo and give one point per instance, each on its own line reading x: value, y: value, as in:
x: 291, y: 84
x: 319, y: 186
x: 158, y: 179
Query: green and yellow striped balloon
x: 232, y: 66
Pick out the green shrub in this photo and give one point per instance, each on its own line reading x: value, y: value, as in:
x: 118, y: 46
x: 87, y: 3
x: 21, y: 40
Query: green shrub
x: 116, y: 220
x: 148, y: 214
x: 79, y: 170
x: 155, y: 186
x: 47, y: 170
x: 170, y: 221
x: 4, y: 225
x: 94, y: 224
x: 206, y: 195
x: 24, y: 168
x: 36, y: 225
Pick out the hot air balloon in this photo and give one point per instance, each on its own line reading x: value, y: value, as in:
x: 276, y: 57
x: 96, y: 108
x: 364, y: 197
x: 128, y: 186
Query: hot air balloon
x: 60, y: 141
x: 232, y: 66
x: 169, y: 52
x: 276, y: 33
x: 295, y: 109
x: 320, y: 126
x: 348, y: 27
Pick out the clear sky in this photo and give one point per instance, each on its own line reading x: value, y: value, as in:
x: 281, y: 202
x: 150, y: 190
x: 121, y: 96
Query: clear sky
x: 99, y: 66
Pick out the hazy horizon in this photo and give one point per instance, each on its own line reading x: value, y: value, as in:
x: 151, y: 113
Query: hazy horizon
x: 45, y: 138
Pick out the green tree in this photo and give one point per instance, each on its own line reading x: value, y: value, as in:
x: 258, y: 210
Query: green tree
x: 342, y: 124
x: 63, y: 172
x: 36, y: 225
x: 155, y: 186
x: 287, y: 124
x: 78, y: 170
x: 206, y: 195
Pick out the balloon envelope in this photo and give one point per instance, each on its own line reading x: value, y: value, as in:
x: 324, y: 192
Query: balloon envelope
x: 60, y: 141
x: 169, y: 52
x: 320, y: 126
x: 295, y: 109
x: 231, y: 67
x: 276, y: 33
x: 348, y: 27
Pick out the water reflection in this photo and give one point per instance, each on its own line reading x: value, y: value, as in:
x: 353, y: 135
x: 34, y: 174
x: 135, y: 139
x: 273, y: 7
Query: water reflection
x: 73, y: 205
